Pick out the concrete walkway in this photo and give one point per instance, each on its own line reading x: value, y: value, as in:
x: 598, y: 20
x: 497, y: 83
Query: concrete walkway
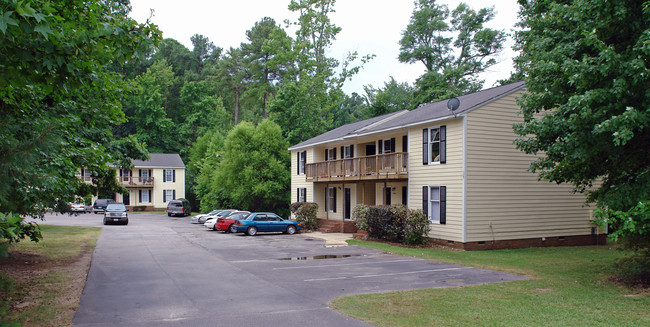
x: 331, y: 239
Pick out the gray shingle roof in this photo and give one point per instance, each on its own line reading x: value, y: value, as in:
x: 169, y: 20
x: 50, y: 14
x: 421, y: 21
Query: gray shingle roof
x: 161, y: 160
x: 425, y: 113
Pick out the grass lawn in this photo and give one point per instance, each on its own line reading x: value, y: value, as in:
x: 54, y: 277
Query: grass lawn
x: 568, y: 286
x: 46, y: 278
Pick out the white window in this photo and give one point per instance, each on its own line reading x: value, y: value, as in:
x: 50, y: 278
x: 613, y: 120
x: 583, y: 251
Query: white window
x: 168, y: 175
x: 347, y: 152
x: 302, y: 194
x: 434, y: 145
x: 168, y: 195
x: 331, y: 199
x: 434, y: 204
x: 387, y: 146
x: 126, y: 175
x: 145, y: 196
x: 302, y: 159
x: 331, y: 154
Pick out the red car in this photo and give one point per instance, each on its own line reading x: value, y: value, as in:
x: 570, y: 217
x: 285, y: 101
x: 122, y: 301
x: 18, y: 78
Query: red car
x: 224, y: 223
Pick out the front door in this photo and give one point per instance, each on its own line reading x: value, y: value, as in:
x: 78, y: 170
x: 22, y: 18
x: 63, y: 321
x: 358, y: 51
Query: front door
x: 346, y: 203
x: 126, y: 199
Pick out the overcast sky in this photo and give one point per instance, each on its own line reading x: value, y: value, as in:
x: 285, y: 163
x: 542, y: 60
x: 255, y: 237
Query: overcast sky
x: 368, y: 27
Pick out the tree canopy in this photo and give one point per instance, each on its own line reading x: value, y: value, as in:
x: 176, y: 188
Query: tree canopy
x: 454, y: 47
x: 58, y: 99
x: 587, y: 110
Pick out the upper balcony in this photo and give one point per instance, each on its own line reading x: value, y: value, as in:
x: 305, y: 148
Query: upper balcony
x: 131, y: 181
x: 383, y: 166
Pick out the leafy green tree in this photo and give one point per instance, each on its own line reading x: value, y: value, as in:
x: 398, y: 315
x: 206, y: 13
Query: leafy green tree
x: 205, y: 52
x: 586, y: 112
x: 254, y: 170
x: 351, y: 109
x: 153, y: 127
x: 454, y: 48
x: 263, y: 57
x: 204, y: 110
x: 304, y: 105
x: 393, y: 97
x: 202, y: 167
x: 231, y: 75
x: 58, y: 100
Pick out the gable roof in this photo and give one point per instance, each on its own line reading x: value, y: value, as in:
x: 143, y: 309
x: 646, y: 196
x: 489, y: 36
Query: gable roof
x: 160, y: 160
x: 429, y: 112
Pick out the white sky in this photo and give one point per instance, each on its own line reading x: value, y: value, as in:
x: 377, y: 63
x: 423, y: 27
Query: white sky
x: 368, y: 27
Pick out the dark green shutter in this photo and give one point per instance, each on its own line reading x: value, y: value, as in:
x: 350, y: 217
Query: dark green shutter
x: 381, y: 147
x: 425, y: 146
x: 392, y: 145
x: 425, y: 201
x: 443, y: 144
x: 405, y: 143
x: 443, y: 204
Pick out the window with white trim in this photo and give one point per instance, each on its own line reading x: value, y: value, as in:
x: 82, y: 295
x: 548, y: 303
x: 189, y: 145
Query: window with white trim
x: 302, y: 194
x: 302, y: 160
x: 331, y: 154
x: 434, y: 203
x: 331, y: 199
x: 435, y: 145
x: 347, y: 152
x: 145, y: 196
x: 388, y: 145
x: 168, y: 195
x: 168, y: 175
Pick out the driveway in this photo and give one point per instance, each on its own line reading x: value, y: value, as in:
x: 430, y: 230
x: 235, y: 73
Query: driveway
x: 161, y: 271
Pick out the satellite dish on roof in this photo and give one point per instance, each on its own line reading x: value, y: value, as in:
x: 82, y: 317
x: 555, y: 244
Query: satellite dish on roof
x: 453, y: 104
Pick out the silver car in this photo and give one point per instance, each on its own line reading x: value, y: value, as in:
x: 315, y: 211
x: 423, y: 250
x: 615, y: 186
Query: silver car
x: 115, y: 213
x: 195, y: 219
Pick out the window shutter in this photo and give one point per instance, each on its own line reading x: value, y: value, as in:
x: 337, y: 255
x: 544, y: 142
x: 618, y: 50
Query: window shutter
x: 392, y: 145
x: 404, y: 195
x: 304, y: 194
x: 140, y: 173
x: 297, y: 194
x: 140, y: 196
x: 173, y: 194
x: 425, y: 201
x: 120, y: 172
x: 174, y: 175
x: 327, y: 158
x: 298, y: 162
x: 150, y: 196
x: 405, y: 146
x: 334, y: 153
x: 334, y: 201
x: 443, y: 144
x: 425, y: 146
x: 164, y: 196
x: 342, y: 153
x: 443, y: 204
x: 381, y: 147
x: 164, y: 177
x: 352, y: 150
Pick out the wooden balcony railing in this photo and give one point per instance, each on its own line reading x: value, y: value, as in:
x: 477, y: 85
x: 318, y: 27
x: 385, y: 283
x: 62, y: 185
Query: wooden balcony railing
x: 383, y: 166
x: 135, y: 181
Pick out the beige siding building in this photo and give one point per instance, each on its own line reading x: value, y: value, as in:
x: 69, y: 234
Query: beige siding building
x: 151, y: 183
x: 460, y: 167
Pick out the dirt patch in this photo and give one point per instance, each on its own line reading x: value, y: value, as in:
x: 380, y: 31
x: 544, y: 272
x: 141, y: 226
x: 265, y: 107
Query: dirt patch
x: 32, y: 274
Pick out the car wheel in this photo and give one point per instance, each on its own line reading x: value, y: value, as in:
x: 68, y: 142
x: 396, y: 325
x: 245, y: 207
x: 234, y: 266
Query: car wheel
x: 105, y: 222
x: 232, y: 228
x: 251, y: 231
x: 291, y: 229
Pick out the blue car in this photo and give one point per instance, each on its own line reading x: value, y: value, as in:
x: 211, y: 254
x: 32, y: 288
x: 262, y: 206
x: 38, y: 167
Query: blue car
x: 265, y: 222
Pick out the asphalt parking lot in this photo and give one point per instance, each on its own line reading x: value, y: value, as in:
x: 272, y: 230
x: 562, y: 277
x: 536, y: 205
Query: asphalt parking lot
x: 162, y: 271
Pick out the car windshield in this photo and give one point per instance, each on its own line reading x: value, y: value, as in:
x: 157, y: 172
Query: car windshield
x: 224, y: 213
x: 101, y: 202
x: 116, y: 207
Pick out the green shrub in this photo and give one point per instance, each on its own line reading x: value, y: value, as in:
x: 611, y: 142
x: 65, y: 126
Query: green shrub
x: 360, y: 216
x: 393, y: 223
x: 306, y: 215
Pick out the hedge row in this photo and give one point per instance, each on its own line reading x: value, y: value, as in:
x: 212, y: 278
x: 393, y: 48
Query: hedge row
x: 392, y: 223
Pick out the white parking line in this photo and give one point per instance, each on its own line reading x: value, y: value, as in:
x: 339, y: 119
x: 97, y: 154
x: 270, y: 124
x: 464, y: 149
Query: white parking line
x: 346, y: 264
x: 381, y: 275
